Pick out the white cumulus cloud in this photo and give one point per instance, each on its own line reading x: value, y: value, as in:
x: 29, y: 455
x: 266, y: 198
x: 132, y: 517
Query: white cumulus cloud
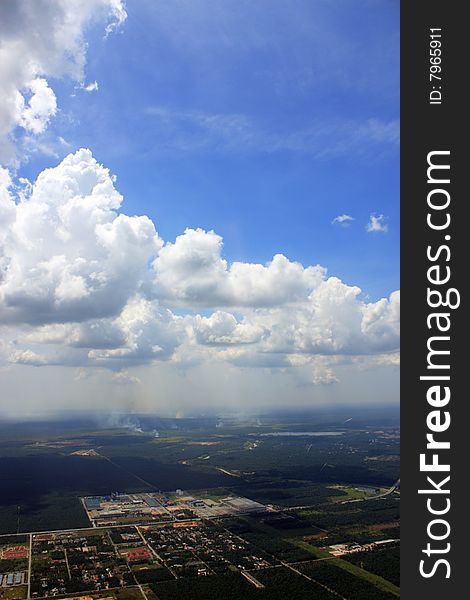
x: 377, y: 223
x: 192, y: 272
x: 67, y: 254
x: 91, y: 87
x: 82, y: 284
x: 344, y: 220
x: 40, y: 40
x: 222, y: 328
x: 41, y: 106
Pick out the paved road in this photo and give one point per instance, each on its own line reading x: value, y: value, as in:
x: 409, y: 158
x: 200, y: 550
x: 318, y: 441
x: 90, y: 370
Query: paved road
x: 142, y: 591
x: 155, y: 553
x: 286, y: 564
x: 394, y: 487
x: 29, y: 564
x: 67, y: 530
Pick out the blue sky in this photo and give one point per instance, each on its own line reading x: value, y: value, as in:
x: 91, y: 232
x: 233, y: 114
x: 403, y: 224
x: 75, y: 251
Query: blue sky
x: 262, y: 121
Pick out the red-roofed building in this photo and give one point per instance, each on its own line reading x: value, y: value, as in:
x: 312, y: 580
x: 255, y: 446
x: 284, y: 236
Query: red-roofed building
x: 139, y: 554
x: 15, y: 552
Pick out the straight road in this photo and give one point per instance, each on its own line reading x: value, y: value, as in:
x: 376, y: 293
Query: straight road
x: 29, y: 564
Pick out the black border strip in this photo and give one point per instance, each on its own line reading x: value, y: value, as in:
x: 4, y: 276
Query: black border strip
x: 425, y: 128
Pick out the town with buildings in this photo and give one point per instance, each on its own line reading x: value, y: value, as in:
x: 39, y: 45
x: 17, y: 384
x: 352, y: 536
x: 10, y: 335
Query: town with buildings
x: 119, y: 509
x: 187, y: 539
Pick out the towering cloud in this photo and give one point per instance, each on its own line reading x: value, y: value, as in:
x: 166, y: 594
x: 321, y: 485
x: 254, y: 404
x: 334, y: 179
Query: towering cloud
x: 67, y: 254
x: 84, y: 284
